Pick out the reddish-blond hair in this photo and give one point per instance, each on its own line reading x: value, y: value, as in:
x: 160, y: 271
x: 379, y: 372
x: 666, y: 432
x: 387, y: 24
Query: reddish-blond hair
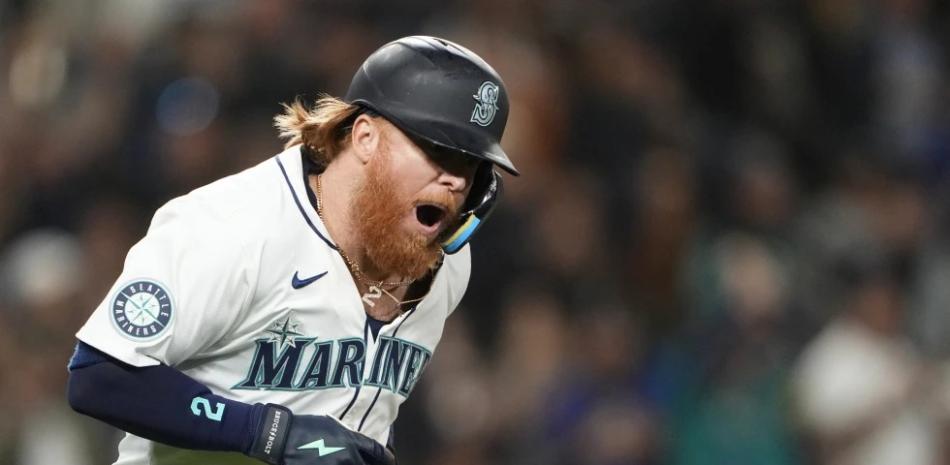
x: 324, y: 129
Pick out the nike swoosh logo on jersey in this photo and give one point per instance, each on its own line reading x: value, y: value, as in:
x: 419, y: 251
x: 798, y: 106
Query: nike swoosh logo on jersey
x: 321, y: 448
x: 298, y: 283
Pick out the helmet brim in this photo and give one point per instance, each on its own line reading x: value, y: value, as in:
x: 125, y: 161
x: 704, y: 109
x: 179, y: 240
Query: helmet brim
x: 445, y: 135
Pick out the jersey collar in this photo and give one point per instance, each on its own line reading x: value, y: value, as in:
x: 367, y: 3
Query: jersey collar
x: 291, y: 166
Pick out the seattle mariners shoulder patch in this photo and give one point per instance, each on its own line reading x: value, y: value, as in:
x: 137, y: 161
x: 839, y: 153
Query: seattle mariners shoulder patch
x: 142, y: 309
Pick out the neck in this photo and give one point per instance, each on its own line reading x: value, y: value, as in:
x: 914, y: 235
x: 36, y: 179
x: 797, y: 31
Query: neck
x: 337, y: 186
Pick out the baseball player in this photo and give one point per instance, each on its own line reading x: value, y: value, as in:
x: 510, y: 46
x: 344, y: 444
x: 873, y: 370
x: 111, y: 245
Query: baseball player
x: 285, y: 312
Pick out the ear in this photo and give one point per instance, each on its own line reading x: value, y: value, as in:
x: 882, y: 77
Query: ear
x: 365, y: 137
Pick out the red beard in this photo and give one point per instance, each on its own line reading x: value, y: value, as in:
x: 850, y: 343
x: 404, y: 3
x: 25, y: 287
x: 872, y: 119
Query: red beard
x: 380, y: 210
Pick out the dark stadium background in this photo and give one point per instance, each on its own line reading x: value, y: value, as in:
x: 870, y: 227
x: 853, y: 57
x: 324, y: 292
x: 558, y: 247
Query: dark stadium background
x: 729, y: 244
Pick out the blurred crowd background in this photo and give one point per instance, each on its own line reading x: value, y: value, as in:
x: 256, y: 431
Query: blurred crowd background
x: 729, y: 244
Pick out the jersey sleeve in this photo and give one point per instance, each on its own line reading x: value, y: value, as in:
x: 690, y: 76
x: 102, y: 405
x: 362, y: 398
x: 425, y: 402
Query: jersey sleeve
x: 181, y: 287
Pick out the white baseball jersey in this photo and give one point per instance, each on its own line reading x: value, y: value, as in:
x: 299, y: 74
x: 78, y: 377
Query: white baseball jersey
x: 238, y: 285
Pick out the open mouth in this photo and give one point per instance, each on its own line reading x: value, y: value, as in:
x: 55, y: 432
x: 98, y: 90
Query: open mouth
x: 430, y: 216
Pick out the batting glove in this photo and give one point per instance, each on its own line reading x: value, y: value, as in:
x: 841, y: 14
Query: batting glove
x: 287, y: 439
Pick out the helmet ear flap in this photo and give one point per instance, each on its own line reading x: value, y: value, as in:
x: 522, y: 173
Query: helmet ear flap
x: 481, y: 202
x: 481, y: 183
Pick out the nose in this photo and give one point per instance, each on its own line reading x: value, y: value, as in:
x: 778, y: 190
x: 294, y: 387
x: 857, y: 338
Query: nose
x: 454, y: 181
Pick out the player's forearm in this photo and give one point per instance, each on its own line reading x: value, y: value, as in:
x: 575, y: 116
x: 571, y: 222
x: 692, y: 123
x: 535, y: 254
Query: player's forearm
x: 162, y: 404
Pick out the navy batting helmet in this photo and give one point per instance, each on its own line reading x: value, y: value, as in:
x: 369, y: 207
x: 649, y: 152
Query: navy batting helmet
x: 438, y: 91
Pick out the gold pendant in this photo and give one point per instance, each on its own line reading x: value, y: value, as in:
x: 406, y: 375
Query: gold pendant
x: 372, y: 295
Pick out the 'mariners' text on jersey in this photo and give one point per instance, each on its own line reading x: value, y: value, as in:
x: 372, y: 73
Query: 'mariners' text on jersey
x: 396, y: 366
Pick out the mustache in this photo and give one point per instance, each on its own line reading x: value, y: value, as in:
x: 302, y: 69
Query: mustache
x: 443, y: 200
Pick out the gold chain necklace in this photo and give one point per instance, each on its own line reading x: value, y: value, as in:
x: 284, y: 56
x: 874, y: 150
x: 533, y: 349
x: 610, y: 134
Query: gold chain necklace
x: 375, y: 289
x: 375, y: 292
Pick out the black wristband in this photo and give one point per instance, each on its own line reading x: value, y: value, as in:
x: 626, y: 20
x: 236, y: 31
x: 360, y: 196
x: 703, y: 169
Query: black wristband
x: 272, y: 434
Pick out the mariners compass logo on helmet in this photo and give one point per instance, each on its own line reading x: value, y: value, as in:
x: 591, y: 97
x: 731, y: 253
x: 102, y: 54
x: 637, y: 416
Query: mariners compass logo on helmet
x: 487, y: 98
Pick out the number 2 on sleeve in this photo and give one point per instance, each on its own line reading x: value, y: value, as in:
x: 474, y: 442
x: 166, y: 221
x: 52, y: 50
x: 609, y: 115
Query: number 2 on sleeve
x: 212, y: 414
